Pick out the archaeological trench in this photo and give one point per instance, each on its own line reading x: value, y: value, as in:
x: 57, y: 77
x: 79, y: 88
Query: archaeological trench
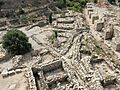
x: 84, y: 56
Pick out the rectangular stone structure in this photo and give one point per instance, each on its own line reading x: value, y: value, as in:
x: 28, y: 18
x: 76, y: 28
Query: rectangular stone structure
x: 90, y: 14
x: 90, y: 5
x: 116, y: 31
x: 94, y: 17
x: 108, y: 34
x: 89, y: 10
x: 52, y: 66
x: 99, y: 25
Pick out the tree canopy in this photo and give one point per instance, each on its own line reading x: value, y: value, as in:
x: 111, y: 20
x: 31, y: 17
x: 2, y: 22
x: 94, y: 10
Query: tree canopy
x: 16, y: 42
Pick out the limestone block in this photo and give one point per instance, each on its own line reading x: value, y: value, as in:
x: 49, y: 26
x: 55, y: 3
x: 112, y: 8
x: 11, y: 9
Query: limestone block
x: 90, y: 5
x: 18, y: 70
x: 94, y: 17
x: 89, y: 10
x: 99, y: 25
x: 108, y: 34
x: 65, y: 20
x: 4, y: 73
x: 90, y: 14
x: 3, y: 28
x: 12, y: 87
x: 11, y: 72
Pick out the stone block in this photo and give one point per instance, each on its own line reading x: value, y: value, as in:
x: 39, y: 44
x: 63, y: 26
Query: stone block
x: 12, y: 72
x: 18, y: 70
x: 108, y: 34
x: 94, y: 17
x: 4, y: 73
x: 99, y: 25
x: 90, y: 14
x: 90, y: 5
x: 65, y: 20
x: 117, y: 47
x: 89, y: 10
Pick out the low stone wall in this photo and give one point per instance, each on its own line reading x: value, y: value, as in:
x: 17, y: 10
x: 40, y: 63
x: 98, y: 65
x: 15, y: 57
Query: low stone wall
x: 65, y: 20
x: 31, y: 80
x: 51, y: 66
x: 40, y: 24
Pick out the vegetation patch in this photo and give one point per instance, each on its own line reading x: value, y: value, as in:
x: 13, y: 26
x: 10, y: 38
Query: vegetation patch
x: 76, y: 5
x: 24, y: 19
x: 16, y: 42
x: 53, y: 37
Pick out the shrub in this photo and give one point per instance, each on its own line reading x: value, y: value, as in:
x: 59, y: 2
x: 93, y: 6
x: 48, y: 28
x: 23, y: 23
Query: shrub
x: 53, y: 37
x: 61, y: 3
x: 83, y: 3
x: 16, y: 42
x: 24, y: 19
x: 76, y: 5
x: 70, y: 3
x: 21, y: 10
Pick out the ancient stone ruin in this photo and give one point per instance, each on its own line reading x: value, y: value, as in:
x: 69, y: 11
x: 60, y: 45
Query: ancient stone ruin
x: 77, y: 51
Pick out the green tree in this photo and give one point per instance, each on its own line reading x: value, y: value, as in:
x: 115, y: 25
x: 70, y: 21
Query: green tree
x: 16, y: 42
x: 83, y: 3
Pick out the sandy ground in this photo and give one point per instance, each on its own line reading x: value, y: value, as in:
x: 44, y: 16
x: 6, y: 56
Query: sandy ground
x: 14, y: 82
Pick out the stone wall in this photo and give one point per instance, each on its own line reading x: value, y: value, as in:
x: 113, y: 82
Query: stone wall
x: 99, y: 25
x: 52, y: 66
